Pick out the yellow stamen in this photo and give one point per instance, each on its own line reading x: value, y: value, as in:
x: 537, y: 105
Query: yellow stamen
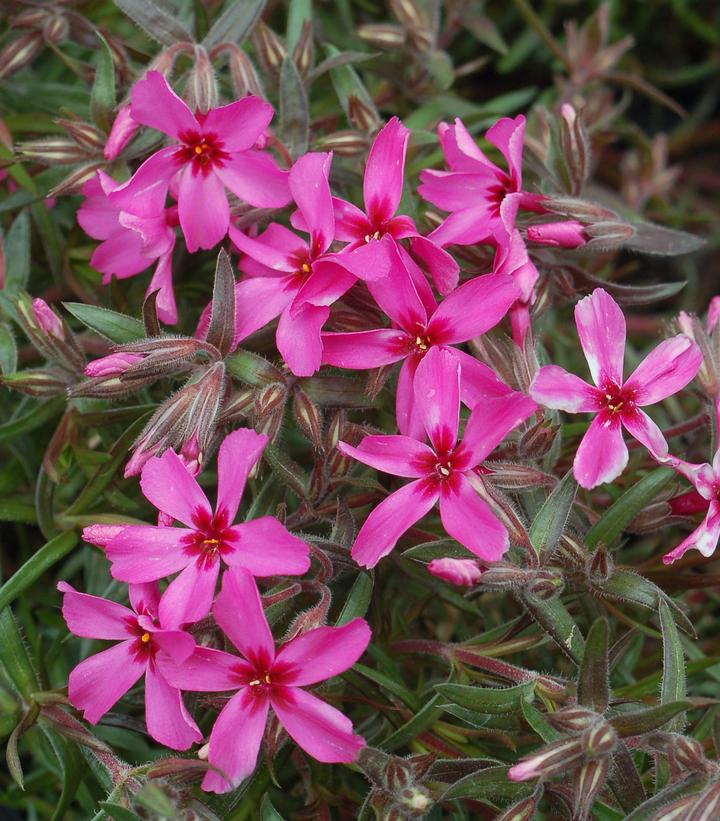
x: 306, y: 268
x: 145, y: 638
x: 254, y: 683
x: 211, y: 541
x: 444, y: 471
x: 267, y: 678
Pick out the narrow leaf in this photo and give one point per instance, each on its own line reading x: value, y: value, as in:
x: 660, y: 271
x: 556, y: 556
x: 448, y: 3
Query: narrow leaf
x: 645, y: 721
x: 102, y: 96
x: 487, y: 700
x: 491, y: 784
x: 157, y: 23
x: 252, y: 369
x: 17, y: 254
x: 593, y: 681
x: 118, y: 328
x: 15, y: 658
x: 235, y: 23
x: 673, y: 686
x: 666, y: 242
x: 298, y: 13
x: 358, y: 599
x: 294, y: 110
x: 222, y: 320
x: 556, y: 621
x: 549, y: 524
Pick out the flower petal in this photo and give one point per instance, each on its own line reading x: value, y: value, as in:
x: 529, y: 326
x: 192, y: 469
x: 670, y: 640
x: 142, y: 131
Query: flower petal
x: 189, y: 596
x: 240, y: 615
x: 461, y: 151
x: 279, y: 256
x: 145, y: 597
x: 443, y: 269
x: 437, y: 393
x: 166, y: 717
x: 666, y: 370
x: 383, y: 181
x: 365, y: 349
x: 322, y: 653
x: 239, y: 124
x: 162, y: 283
x: 467, y: 518
x: 255, y: 177
x: 265, y: 547
x: 205, y: 671
x: 455, y: 190
x: 325, y: 285
x: 369, y: 261
x: 397, y: 455
x: 390, y: 519
x: 156, y: 105
x: 478, y: 381
x: 466, y: 227
x: 168, y: 485
x: 602, y: 455
x: 397, y: 295
x: 601, y: 327
x: 235, y: 740
x: 554, y: 387
x: 101, y: 680
x: 146, y: 191
x: 239, y: 452
x: 642, y: 427
x: 508, y: 135
x: 93, y: 617
x: 321, y: 730
x: 704, y: 538
x: 298, y: 338
x: 143, y: 553
x: 490, y: 422
x: 259, y: 300
x: 462, y: 572
x: 472, y: 309
x: 310, y: 188
x: 203, y: 209
x: 407, y: 410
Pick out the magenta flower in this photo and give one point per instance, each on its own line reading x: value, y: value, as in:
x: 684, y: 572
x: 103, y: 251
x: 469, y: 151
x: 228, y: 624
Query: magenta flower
x: 461, y: 572
x: 97, y: 683
x: 713, y: 314
x: 511, y: 258
x: 291, y: 278
x: 123, y: 130
x: 420, y: 325
x: 373, y: 232
x: 112, y: 365
x: 265, y: 678
x: 213, y: 151
x: 443, y: 472
x: 475, y: 190
x: 132, y: 242
x: 47, y: 319
x: 602, y: 454
x: 142, y: 553
x: 565, y: 234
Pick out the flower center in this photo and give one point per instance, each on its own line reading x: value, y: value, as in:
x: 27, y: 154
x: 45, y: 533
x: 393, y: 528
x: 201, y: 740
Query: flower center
x: 145, y: 638
x: 258, y: 682
x: 616, y: 399
x: 370, y: 237
x: 444, y: 469
x: 211, y: 539
x: 202, y: 151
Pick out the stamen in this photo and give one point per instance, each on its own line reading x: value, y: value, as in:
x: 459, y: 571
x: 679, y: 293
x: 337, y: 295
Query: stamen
x: 254, y: 683
x: 145, y: 638
x: 306, y: 268
x: 443, y: 470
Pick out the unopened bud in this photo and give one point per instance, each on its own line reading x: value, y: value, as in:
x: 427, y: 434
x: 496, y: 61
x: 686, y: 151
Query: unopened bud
x: 383, y: 35
x: 510, y: 476
x: 462, y: 572
x: 399, y: 775
x: 524, y: 810
x: 123, y: 130
x: 73, y: 183
x: 112, y: 365
x: 600, y: 739
x: 55, y: 29
x: 545, y: 585
x: 201, y: 89
x: 270, y: 398
x: 692, y: 327
x: 609, y: 234
x: 54, y: 151
x: 304, y: 53
x: 47, y: 319
x: 344, y: 143
x: 713, y: 314
x: 707, y: 805
x: 19, y: 52
x: 362, y: 115
x: 38, y: 382
x: 87, y: 136
x: 583, y: 210
x: 576, y: 147
x: 567, y: 234
x: 601, y: 565
x: 537, y: 440
x: 269, y: 47
x: 308, y: 416
x: 243, y: 75
x: 416, y: 800
x: 589, y: 780
x: 572, y: 719
x: 688, y: 753
x: 502, y: 576
x: 101, y: 535
x: 558, y: 757
x: 409, y: 13
x: 335, y: 430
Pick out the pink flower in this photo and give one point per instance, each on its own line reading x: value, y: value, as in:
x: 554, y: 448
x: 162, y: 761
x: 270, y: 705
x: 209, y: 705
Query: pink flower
x: 713, y: 314
x: 420, y: 325
x: 475, y: 190
x: 101, y: 680
x: 122, y: 131
x: 290, y: 277
x: 100, y: 535
x: 566, y: 234
x: 443, y: 472
x: 462, y: 572
x: 602, y: 454
x: 373, y: 232
x: 112, y: 365
x: 142, y: 553
x: 265, y: 678
x: 512, y: 258
x: 47, y: 319
x: 132, y: 241
x: 213, y: 151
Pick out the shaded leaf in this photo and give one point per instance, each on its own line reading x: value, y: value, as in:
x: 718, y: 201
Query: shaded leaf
x: 491, y: 784
x: 157, y: 23
x: 358, y: 599
x: 294, y: 109
x: 222, y: 320
x: 554, y: 618
x: 549, y: 524
x: 487, y: 700
x: 235, y: 23
x: 593, y: 681
x: 102, y: 96
x: 17, y: 254
x: 118, y: 328
x: 673, y: 687
x: 644, y: 721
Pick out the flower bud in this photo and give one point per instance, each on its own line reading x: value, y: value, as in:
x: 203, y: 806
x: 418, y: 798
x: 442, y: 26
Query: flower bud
x: 55, y: 29
x: 524, y: 810
x: 601, y: 566
x: 688, y: 752
x: 610, y: 233
x: 308, y: 416
x: 38, y: 381
x: 573, y: 719
x: 462, y: 572
x: 269, y: 48
x: 538, y: 439
x: 53, y: 151
x: 100, y: 535
x: 545, y: 584
x: 399, y: 775
x: 558, y: 757
x: 583, y: 210
x: 589, y: 780
x: 409, y: 14
x: 713, y: 314
x: 567, y: 234
x: 47, y: 319
x: 89, y: 138
x: 416, y: 801
x: 691, y: 326
x: 383, y: 35
x: 600, y: 739
x: 112, y: 365
x: 362, y: 115
x: 201, y: 90
x: 123, y: 130
x: 19, y: 52
x: 243, y: 75
x: 304, y: 54
x: 73, y: 183
x: 344, y: 143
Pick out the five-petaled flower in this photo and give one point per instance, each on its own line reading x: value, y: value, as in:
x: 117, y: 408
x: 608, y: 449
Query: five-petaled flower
x: 265, y: 677
x: 444, y: 472
x: 603, y: 455
x: 97, y: 683
x: 142, y: 553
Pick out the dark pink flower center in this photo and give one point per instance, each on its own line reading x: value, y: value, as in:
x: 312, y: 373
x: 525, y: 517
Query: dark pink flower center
x: 444, y: 465
x: 144, y: 647
x: 212, y: 538
x: 616, y: 399
x: 202, y: 151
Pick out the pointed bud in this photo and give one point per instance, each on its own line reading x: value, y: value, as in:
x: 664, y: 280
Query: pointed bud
x: 545, y: 584
x: 538, y: 439
x: 399, y: 775
x: 589, y: 780
x: 308, y: 416
x: 416, y: 801
x: 19, y: 52
x: 243, y: 75
x: 362, y: 115
x: 568, y: 234
x: 572, y: 719
x: 38, y: 381
x: 123, y: 130
x: 409, y: 13
x: 269, y: 47
x: 55, y: 29
x: 87, y: 136
x: 384, y: 36
x: 53, y: 151
x: 462, y: 572
x: 112, y: 365
x: 47, y: 319
x: 524, y: 810
x: 75, y: 180
x: 689, y: 753
x: 101, y: 535
x: 344, y: 143
x: 558, y: 757
x: 601, y: 566
x: 304, y: 53
x: 511, y: 476
x: 608, y: 234
x: 600, y: 740
x: 201, y: 89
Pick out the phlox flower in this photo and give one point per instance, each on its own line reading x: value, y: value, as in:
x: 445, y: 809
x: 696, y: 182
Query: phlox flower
x: 292, y: 278
x: 512, y: 258
x: 264, y: 677
x: 481, y: 196
x: 97, y: 683
x: 141, y: 553
x: 461, y: 572
x: 372, y: 233
x: 132, y: 239
x: 112, y: 365
x: 213, y: 151
x: 444, y: 472
x: 419, y: 325
x: 603, y: 455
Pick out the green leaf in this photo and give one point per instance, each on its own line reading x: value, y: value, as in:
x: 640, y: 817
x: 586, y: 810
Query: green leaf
x: 554, y: 618
x: 666, y: 242
x: 102, y: 96
x: 488, y: 700
x: 17, y: 254
x: 491, y: 784
x: 40, y: 413
x: 612, y: 523
x: 420, y: 722
x: 157, y: 23
x: 13, y: 511
x: 118, y: 328
x: 438, y: 549
x: 644, y: 721
x: 48, y: 555
x: 539, y: 723
x: 268, y: 812
x: 347, y: 83
x: 294, y: 109
x: 222, y: 318
x: 117, y: 812
x: 15, y: 658
x: 153, y: 798
x: 235, y: 23
x: 251, y: 368
x: 337, y: 391
x: 358, y: 599
x: 673, y: 686
x: 549, y: 524
x: 626, y: 585
x: 8, y: 351
x: 338, y: 60
x: 593, y: 681
x: 298, y: 13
